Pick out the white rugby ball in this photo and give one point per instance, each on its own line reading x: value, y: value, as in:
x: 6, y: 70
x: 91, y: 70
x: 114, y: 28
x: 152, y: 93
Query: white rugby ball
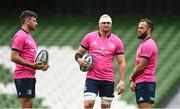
x: 42, y: 56
x: 89, y: 59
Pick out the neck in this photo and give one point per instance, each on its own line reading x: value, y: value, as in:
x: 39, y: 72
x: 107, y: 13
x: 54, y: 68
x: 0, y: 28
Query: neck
x: 105, y: 34
x: 146, y: 38
x: 26, y: 28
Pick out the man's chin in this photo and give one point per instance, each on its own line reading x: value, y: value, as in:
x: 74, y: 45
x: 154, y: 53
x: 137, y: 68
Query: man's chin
x: 106, y: 30
x: 142, y: 38
x: 33, y: 29
x: 139, y: 37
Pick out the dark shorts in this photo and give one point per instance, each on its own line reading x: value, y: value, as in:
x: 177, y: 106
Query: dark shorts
x: 145, y: 92
x: 25, y: 87
x: 99, y: 87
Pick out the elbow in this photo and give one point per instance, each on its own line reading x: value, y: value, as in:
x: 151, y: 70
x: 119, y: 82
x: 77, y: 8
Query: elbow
x: 12, y: 59
x: 141, y: 68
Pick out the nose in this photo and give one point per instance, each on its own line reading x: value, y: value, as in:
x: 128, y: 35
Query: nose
x: 105, y: 24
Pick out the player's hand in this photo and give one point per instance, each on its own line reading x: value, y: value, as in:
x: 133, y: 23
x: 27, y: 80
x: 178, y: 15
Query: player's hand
x: 133, y: 86
x: 38, y: 65
x: 45, y: 67
x: 82, y: 63
x: 120, y: 87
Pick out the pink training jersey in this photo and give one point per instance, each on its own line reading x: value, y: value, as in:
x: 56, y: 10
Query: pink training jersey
x: 103, y: 50
x: 147, y: 49
x: 26, y: 46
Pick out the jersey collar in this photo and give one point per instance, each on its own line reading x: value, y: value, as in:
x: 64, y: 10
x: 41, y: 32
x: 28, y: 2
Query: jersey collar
x: 147, y: 38
x: 24, y: 30
x: 101, y: 35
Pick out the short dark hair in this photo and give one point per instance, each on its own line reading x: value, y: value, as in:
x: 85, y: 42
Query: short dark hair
x: 27, y: 14
x: 149, y: 23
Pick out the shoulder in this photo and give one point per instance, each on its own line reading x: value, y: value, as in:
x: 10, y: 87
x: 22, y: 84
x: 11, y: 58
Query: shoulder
x: 94, y: 33
x: 150, y: 43
x: 20, y: 34
x: 115, y: 38
x: 20, y: 37
x: 91, y: 35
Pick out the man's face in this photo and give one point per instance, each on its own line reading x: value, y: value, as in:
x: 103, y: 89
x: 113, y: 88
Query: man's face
x: 105, y: 26
x: 32, y: 23
x: 142, y: 30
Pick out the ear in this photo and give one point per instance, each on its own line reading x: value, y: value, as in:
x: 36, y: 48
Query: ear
x: 149, y: 30
x: 26, y: 21
x: 99, y: 24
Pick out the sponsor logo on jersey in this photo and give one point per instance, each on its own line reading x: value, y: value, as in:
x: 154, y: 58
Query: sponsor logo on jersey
x: 152, y: 98
x: 29, y: 92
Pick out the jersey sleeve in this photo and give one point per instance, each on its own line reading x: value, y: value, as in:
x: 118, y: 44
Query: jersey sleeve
x: 18, y: 43
x: 146, y: 51
x: 85, y: 42
x: 119, y: 47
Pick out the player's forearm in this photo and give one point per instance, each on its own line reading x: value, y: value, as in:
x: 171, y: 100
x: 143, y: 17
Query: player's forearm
x: 122, y: 71
x: 19, y: 60
x: 137, y: 71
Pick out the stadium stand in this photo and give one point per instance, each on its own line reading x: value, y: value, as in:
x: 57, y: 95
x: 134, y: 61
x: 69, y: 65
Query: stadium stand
x: 62, y: 85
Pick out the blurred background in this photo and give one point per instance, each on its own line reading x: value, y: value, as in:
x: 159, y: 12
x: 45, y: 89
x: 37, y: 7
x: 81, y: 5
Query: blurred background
x: 63, y: 24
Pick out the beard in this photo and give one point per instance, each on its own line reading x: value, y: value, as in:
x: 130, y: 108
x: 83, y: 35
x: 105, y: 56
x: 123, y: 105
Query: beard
x: 142, y: 36
x: 32, y: 28
x: 106, y: 30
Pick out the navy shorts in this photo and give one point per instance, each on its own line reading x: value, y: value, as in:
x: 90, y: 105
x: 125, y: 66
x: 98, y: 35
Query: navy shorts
x: 145, y: 92
x: 99, y: 87
x: 25, y: 87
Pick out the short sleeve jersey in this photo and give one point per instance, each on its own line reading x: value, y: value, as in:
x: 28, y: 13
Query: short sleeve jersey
x: 148, y: 50
x: 103, y: 50
x: 26, y: 46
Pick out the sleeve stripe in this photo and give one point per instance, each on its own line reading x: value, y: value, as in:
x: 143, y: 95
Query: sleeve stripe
x: 14, y: 49
x: 145, y: 57
x: 84, y: 47
x: 119, y: 53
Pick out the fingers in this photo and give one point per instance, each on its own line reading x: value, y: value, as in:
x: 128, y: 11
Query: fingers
x: 133, y: 86
x: 82, y: 62
x: 45, y: 67
x: 120, y: 92
x: 41, y: 66
x: 120, y: 88
x: 37, y: 66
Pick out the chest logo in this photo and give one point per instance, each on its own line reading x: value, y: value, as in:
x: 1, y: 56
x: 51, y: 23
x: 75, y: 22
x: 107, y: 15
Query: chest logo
x: 102, y: 48
x: 111, y: 45
x: 94, y: 43
x: 30, y: 42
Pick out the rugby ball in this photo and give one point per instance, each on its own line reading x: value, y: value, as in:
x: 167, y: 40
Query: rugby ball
x: 89, y: 59
x: 42, y: 56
